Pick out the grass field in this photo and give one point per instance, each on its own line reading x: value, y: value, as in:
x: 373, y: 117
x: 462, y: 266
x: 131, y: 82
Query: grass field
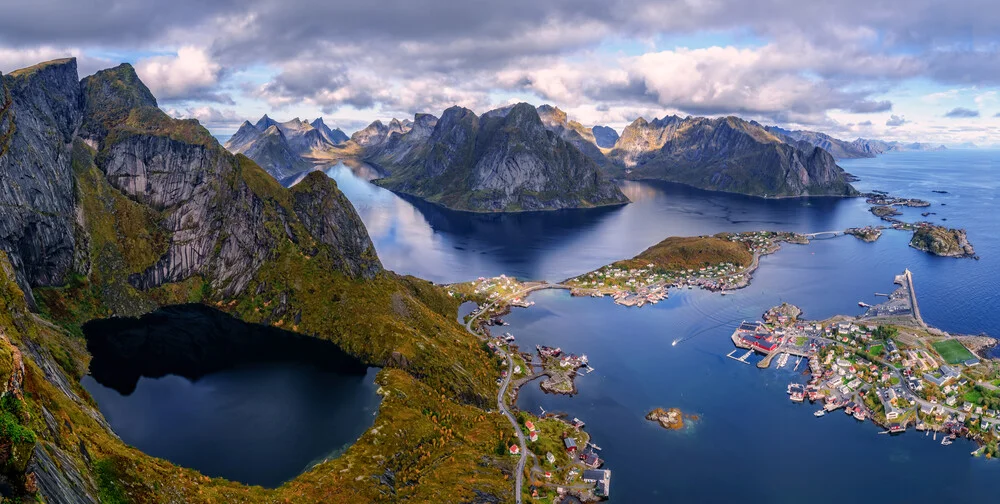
x: 952, y: 351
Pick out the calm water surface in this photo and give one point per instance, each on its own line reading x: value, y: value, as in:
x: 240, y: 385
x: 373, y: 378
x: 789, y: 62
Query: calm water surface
x: 240, y: 408
x: 751, y: 443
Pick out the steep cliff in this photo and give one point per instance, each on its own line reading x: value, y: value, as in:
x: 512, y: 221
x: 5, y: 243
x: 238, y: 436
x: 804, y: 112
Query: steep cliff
x: 726, y: 154
x: 505, y: 161
x: 119, y: 209
x: 36, y: 196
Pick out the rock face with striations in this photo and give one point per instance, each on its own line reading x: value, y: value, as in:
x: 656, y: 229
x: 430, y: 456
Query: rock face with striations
x: 507, y: 160
x: 211, y: 209
x: 38, y: 227
x: 726, y: 154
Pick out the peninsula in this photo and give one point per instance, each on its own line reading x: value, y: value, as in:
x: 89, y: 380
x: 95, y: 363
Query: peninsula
x: 889, y: 366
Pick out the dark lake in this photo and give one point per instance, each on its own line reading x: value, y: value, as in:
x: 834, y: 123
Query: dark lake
x: 751, y: 443
x: 248, y: 403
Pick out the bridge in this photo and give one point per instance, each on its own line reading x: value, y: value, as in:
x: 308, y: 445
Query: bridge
x: 825, y: 234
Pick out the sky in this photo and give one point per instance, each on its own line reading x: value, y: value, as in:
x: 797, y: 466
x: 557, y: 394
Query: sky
x: 909, y: 70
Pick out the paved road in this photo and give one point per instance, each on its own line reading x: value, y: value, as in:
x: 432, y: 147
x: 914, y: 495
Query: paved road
x: 519, y: 472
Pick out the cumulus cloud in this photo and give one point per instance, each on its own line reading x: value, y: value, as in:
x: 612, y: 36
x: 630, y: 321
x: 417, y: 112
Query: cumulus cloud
x: 210, y: 117
x: 189, y: 75
x: 895, y: 120
x: 13, y: 59
x: 808, y: 62
x: 961, y: 112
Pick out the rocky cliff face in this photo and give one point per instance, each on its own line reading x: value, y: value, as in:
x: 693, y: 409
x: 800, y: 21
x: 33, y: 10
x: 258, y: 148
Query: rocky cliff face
x: 220, y: 214
x: 576, y: 134
x: 507, y: 160
x: 726, y: 154
x: 36, y: 197
x: 334, y: 136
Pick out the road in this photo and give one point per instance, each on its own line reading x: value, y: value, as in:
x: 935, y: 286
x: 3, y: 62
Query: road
x: 519, y: 472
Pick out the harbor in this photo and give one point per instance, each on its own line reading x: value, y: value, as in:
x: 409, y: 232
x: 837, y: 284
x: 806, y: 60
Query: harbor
x: 885, y: 366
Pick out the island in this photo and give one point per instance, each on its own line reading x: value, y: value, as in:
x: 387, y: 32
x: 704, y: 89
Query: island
x: 942, y: 241
x: 671, y: 419
x: 718, y: 263
x: 867, y: 234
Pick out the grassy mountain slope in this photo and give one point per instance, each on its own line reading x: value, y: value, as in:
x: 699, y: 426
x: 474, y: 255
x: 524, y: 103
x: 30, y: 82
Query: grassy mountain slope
x: 194, y: 223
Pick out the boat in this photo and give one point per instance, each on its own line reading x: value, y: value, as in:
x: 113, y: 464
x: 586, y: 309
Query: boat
x: 859, y: 414
x: 945, y: 441
x: 819, y: 413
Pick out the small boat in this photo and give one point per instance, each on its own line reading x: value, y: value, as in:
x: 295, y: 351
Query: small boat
x: 945, y: 441
x: 819, y: 413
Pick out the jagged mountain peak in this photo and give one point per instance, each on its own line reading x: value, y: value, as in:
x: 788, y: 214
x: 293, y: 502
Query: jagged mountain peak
x: 110, y: 96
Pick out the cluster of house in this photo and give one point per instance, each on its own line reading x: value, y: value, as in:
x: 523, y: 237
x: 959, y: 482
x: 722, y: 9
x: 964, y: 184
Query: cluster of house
x: 757, y: 336
x: 532, y: 432
x: 496, y: 286
x: 634, y: 279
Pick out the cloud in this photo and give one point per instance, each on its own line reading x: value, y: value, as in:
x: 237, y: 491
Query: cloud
x: 895, y: 120
x: 13, y: 59
x: 209, y: 117
x: 189, y: 75
x: 869, y: 106
x: 962, y: 112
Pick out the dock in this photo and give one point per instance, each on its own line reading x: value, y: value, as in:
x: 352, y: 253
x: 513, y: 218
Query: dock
x: 742, y: 359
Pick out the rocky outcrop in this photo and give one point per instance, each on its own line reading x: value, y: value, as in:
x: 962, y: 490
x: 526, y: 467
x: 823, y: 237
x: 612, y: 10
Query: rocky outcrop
x: 37, y: 229
x: 726, y: 154
x: 942, y: 241
x: 605, y: 136
x: 330, y: 218
x: 556, y: 121
x: 507, y: 160
x: 218, y: 211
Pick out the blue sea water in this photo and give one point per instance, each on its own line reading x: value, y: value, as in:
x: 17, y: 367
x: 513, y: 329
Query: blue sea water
x: 750, y: 443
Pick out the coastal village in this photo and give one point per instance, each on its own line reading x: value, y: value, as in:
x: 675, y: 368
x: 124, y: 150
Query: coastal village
x: 886, y: 366
x: 562, y: 461
x: 650, y: 283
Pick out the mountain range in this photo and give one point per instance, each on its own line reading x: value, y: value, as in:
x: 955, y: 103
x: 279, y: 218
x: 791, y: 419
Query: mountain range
x: 283, y: 148
x: 462, y: 163
x: 506, y: 160
x: 113, y: 209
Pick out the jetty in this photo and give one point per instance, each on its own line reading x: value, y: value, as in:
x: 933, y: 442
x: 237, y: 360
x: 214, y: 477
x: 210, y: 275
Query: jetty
x: 742, y: 359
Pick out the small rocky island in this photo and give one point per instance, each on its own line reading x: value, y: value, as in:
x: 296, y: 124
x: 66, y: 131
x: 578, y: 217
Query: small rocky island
x: 670, y: 419
x: 867, y: 234
x: 942, y: 241
x: 886, y: 212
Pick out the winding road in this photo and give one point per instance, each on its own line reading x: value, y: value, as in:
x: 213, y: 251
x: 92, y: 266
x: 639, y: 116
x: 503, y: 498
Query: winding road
x: 519, y: 472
